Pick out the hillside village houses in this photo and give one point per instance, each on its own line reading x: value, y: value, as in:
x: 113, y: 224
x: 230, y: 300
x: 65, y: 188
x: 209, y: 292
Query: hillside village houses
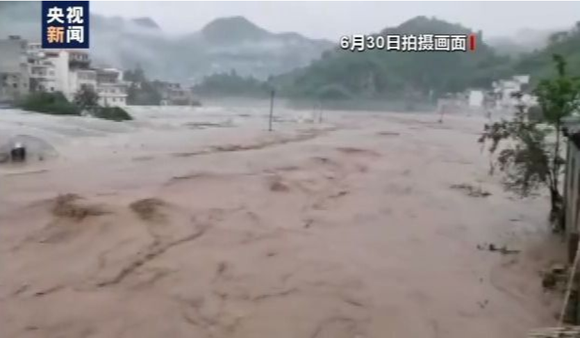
x: 25, y: 67
x: 111, y: 88
x: 498, y: 100
x: 14, y: 79
x: 173, y: 93
x: 504, y: 89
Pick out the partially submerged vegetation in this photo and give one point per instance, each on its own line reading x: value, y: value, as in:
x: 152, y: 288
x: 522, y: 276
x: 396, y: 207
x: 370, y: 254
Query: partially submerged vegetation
x: 529, y: 149
x: 49, y: 103
x: 471, y: 190
x: 117, y: 114
x: 88, y: 101
x: 85, y: 103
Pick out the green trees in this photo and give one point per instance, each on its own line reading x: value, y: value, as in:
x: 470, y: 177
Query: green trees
x: 539, y: 63
x: 86, y: 99
x: 232, y: 84
x: 531, y: 154
x: 116, y: 114
x: 49, y: 103
x: 141, y: 91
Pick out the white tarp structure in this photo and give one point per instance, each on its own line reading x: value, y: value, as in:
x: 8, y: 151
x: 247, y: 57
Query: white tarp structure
x: 36, y: 148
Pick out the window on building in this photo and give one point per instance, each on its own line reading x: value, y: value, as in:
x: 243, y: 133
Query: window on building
x: 15, y: 85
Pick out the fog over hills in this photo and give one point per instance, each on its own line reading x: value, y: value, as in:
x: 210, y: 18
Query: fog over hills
x: 225, y: 44
x: 523, y: 41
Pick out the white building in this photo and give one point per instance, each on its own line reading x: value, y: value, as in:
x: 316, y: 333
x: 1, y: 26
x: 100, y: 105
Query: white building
x: 42, y: 76
x: 41, y: 70
x: 504, y: 90
x: 522, y: 79
x: 27, y: 67
x: 83, y: 78
x: 75, y: 72
x: 476, y: 98
x: 173, y: 94
x: 65, y: 71
x: 111, y: 88
x: 14, y: 80
x: 529, y: 100
x: 59, y: 70
x: 79, y: 64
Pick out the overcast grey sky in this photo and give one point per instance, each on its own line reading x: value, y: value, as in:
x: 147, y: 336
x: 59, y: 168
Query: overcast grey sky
x: 333, y: 19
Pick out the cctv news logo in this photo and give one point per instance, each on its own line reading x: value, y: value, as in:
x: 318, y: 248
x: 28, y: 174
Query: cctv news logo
x: 65, y: 24
x: 410, y: 42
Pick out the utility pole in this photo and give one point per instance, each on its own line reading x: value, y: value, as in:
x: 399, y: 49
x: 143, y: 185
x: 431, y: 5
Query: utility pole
x: 271, y: 110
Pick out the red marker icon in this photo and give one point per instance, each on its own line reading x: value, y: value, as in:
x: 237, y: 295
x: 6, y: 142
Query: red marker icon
x: 472, y: 42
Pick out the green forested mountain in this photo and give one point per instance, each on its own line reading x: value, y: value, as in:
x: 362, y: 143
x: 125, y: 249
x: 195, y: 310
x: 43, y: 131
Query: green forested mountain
x: 539, y: 63
x: 382, y: 74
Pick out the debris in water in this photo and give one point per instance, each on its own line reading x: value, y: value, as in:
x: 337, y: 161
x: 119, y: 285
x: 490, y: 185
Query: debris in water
x: 148, y: 208
x: 68, y: 206
x: 493, y: 248
x: 556, y: 274
x: 277, y: 185
x: 388, y: 133
x: 471, y: 190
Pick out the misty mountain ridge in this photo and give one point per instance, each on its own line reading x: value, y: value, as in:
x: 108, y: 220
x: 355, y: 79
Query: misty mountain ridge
x: 146, y: 22
x: 376, y: 74
x: 525, y: 40
x: 232, y: 30
x: 222, y: 45
x: 306, y: 67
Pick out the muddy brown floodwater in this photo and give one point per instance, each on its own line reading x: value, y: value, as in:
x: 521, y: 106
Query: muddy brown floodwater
x: 354, y: 228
